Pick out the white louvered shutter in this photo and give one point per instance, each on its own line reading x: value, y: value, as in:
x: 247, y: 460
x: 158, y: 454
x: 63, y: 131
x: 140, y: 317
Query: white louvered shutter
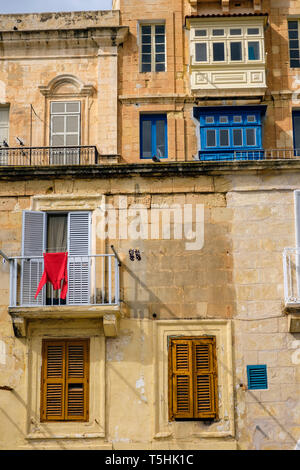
x: 33, y: 245
x: 79, y: 224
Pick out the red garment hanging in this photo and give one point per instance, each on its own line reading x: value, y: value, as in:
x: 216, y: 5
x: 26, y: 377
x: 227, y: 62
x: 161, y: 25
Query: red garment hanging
x: 55, y: 271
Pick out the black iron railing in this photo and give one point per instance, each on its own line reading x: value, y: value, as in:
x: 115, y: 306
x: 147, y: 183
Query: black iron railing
x: 40, y: 156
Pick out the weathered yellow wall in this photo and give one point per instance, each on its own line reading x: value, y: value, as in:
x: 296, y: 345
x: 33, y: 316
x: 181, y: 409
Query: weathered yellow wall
x: 235, y: 279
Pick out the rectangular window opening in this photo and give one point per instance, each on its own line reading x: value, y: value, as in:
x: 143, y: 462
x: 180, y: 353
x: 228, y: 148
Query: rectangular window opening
x: 153, y: 48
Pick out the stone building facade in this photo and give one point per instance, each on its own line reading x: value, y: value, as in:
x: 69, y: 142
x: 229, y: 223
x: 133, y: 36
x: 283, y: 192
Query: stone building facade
x: 159, y: 148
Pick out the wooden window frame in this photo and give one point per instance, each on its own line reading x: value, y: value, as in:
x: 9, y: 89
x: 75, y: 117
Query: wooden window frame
x: 65, y: 380
x: 211, y: 372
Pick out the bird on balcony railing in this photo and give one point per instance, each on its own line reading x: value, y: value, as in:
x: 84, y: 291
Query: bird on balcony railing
x: 5, y: 144
x: 20, y: 141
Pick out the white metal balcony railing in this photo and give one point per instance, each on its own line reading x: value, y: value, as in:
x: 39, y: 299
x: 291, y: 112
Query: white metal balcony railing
x: 92, y: 280
x: 291, y: 274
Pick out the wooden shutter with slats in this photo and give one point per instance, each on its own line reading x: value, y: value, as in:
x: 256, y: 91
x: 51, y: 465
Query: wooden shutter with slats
x: 192, y: 378
x: 65, y: 380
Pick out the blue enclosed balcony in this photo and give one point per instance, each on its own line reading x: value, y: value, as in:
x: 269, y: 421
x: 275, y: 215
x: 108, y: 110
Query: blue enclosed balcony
x: 230, y: 132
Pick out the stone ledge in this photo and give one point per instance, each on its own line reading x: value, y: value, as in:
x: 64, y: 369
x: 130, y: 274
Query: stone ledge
x: 109, y: 314
x: 162, y: 169
x: 293, y: 312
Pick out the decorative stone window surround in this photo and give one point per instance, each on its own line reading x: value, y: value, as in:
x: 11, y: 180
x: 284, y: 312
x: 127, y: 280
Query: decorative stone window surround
x: 221, y: 329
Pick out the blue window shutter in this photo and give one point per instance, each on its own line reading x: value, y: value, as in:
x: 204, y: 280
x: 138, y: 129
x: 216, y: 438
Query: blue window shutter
x: 257, y: 377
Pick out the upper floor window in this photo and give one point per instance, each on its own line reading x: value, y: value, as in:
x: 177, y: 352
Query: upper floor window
x: 153, y: 136
x: 64, y: 131
x: 229, y: 133
x: 293, y: 27
x: 4, y: 124
x: 152, y: 48
x: 228, y: 44
x: 56, y: 232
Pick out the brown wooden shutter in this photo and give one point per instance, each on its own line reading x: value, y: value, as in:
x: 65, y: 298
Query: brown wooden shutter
x: 182, y: 380
x: 204, y: 378
x: 53, y: 381
x: 77, y: 380
x: 192, y: 378
x: 65, y: 380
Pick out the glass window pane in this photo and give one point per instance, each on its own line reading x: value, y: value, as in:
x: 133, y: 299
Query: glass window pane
x: 58, y: 124
x: 160, y: 139
x: 224, y: 138
x: 295, y: 63
x: 294, y: 54
x: 200, y: 32
x: 159, y: 57
x: 210, y: 138
x: 160, y: 29
x: 146, y: 67
x: 146, y: 58
x: 218, y: 32
x: 57, y: 107
x: 294, y: 44
x: 201, y: 52
x: 159, y: 39
x: 236, y: 51
x: 209, y: 119
x: 251, y: 118
x: 72, y: 124
x: 251, y: 31
x: 293, y: 24
x: 250, y: 137
x: 146, y: 48
x: 4, y: 115
x: 73, y: 107
x: 237, y: 137
x: 237, y: 118
x: 293, y: 34
x: 146, y: 138
x: 223, y: 119
x: 72, y: 139
x: 58, y: 140
x: 146, y: 29
x: 160, y: 67
x: 218, y: 52
x: 235, y: 32
x: 253, y: 50
x: 296, y: 123
x: 159, y: 48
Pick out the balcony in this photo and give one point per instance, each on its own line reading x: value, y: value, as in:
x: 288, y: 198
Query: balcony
x: 291, y: 272
x: 248, y: 155
x: 45, y: 156
x: 93, y: 291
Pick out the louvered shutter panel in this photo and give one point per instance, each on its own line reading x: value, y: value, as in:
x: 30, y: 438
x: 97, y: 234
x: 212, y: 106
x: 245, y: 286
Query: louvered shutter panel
x: 53, y: 381
x: 182, y: 380
x: 79, y: 262
x: 204, y: 378
x: 77, y: 373
x: 33, y: 245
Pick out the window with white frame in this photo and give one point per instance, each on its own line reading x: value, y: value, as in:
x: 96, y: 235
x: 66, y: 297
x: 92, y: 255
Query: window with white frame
x: 65, y: 131
x: 215, y: 44
x: 152, y: 47
x: 294, y: 44
x: 4, y: 124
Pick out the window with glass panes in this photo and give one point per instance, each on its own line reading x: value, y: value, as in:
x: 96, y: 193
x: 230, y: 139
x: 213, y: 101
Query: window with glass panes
x: 228, y: 44
x: 229, y: 130
x: 152, y: 48
x: 293, y: 27
x: 153, y: 136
